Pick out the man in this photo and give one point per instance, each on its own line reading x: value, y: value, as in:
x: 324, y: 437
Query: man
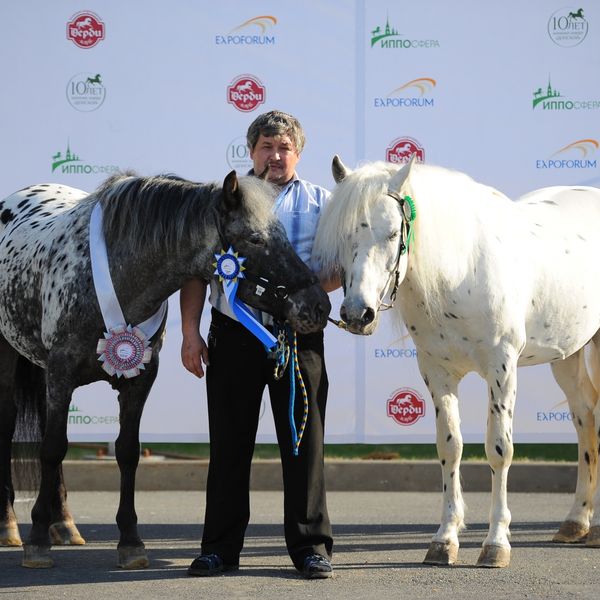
x: 238, y: 369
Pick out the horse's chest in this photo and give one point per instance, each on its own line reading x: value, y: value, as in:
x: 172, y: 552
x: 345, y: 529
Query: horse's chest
x: 450, y: 340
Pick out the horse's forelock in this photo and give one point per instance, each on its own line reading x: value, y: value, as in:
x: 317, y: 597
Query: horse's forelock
x: 258, y: 198
x: 350, y: 204
x: 355, y: 198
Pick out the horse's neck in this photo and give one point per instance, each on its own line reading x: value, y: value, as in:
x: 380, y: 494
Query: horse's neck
x: 427, y: 284
x: 144, y: 281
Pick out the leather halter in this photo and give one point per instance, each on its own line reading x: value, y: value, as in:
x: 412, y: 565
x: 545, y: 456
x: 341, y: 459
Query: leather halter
x: 403, y: 244
x: 263, y: 286
x: 406, y: 235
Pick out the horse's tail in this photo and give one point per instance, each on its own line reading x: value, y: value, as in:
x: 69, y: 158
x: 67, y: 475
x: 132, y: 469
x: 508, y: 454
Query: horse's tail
x: 30, y: 398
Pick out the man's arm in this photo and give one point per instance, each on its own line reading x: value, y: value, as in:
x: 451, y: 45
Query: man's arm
x: 194, y: 351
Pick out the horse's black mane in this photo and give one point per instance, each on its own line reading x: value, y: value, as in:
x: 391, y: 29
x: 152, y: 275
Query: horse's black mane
x: 155, y: 211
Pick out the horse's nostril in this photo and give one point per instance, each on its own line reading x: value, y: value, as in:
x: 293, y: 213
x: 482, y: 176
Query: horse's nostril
x: 368, y: 316
x: 343, y: 314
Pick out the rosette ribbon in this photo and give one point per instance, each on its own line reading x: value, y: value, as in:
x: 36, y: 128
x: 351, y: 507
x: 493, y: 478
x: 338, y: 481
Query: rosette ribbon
x: 229, y: 268
x: 124, y: 349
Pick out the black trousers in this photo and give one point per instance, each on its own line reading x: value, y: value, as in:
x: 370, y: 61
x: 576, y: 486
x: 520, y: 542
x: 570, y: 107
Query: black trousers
x: 236, y: 377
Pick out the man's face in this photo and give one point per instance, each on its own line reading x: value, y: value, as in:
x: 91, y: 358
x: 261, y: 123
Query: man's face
x: 279, y: 154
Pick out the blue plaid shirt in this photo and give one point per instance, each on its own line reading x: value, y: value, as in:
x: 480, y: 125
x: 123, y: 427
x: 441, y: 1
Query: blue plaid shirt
x: 298, y: 207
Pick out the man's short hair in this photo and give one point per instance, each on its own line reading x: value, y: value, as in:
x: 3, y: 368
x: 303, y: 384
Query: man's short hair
x: 276, y: 123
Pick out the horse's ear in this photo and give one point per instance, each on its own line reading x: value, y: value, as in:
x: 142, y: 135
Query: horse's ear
x: 402, y: 175
x: 232, y: 195
x: 265, y: 173
x: 339, y: 169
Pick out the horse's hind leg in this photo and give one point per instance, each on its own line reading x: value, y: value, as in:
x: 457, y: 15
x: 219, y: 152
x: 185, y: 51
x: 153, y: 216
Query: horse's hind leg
x: 593, y: 539
x: 59, y: 388
x: 9, y: 530
x: 572, y: 377
x: 30, y: 388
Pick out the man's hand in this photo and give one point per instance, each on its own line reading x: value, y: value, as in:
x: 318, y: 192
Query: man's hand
x: 194, y: 350
x: 194, y: 353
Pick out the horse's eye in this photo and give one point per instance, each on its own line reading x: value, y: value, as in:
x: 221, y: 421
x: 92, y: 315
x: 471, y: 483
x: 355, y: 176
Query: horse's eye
x: 393, y: 236
x: 256, y: 240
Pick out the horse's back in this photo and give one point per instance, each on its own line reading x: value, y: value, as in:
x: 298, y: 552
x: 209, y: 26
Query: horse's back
x: 561, y: 205
x: 562, y: 229
x: 561, y: 225
x: 36, y: 212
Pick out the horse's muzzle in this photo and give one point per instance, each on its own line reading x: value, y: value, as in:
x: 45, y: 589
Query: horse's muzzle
x: 307, y: 310
x: 360, y: 320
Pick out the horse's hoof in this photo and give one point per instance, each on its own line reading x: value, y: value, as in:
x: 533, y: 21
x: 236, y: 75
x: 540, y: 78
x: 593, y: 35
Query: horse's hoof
x: 9, y: 535
x: 570, y: 532
x: 133, y: 557
x: 494, y: 557
x: 593, y: 538
x: 37, y: 557
x: 441, y: 554
x: 65, y: 533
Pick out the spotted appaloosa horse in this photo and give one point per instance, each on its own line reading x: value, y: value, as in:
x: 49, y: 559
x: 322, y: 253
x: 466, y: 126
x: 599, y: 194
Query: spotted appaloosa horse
x: 486, y: 285
x: 159, y: 231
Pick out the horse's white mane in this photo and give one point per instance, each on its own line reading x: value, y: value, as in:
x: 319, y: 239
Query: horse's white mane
x: 350, y: 204
x: 448, y: 204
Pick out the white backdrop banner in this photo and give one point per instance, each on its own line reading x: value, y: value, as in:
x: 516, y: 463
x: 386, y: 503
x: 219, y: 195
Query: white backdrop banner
x: 506, y: 92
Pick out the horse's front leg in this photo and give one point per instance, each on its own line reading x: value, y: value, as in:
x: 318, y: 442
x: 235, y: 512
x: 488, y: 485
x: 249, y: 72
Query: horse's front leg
x: 443, y: 549
x: 572, y: 377
x: 502, y: 391
x: 132, y: 397
x: 53, y: 449
x: 63, y: 530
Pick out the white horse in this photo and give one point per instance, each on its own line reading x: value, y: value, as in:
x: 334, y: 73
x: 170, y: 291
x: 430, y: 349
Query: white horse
x: 483, y: 284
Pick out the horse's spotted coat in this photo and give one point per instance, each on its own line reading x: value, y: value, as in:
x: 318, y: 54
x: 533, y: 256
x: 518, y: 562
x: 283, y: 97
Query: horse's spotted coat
x: 159, y: 231
x: 524, y: 278
x: 43, y: 238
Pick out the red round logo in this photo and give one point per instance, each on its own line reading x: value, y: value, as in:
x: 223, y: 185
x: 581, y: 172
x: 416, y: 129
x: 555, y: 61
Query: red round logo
x: 402, y: 149
x: 406, y: 406
x: 85, y: 29
x: 246, y: 92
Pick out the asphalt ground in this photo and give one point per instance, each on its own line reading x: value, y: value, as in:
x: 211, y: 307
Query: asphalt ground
x: 380, y: 541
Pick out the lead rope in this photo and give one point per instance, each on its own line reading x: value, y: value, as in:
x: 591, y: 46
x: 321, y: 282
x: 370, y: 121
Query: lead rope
x: 296, y: 374
x: 282, y: 357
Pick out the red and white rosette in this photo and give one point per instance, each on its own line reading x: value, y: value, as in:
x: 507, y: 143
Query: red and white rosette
x: 124, y: 351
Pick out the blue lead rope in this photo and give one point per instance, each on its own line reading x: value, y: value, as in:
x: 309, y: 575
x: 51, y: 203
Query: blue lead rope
x: 229, y: 268
x: 295, y: 372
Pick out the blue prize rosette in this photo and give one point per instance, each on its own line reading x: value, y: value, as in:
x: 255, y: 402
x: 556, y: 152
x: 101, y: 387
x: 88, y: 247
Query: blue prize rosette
x: 229, y: 268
